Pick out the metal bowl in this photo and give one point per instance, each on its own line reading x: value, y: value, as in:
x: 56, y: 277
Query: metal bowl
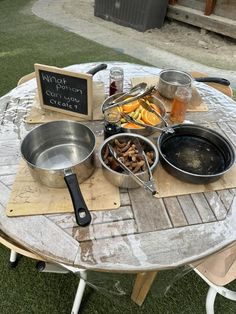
x: 145, y: 131
x: 121, y: 179
x: 170, y: 80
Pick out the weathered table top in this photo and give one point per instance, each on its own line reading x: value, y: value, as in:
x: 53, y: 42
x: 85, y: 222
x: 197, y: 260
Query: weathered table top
x: 145, y: 233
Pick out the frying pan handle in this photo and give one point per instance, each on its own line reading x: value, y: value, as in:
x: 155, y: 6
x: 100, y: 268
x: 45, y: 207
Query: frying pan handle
x: 82, y: 214
x: 98, y: 68
x: 218, y: 80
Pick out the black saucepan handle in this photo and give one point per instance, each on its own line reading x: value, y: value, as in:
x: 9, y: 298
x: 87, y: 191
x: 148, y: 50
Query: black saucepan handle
x: 82, y: 214
x: 209, y: 79
x: 98, y: 68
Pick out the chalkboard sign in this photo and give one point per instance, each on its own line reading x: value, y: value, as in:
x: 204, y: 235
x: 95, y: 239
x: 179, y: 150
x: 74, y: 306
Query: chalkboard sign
x: 64, y: 91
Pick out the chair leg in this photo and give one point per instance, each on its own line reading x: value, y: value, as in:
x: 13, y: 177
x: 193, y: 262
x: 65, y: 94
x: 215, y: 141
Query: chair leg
x: 228, y: 294
x: 213, y: 290
x: 13, y: 259
x: 47, y: 267
x: 79, y: 292
x: 210, y: 299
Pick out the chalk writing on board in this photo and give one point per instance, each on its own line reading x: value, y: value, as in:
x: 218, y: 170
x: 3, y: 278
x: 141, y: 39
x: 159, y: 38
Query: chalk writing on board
x: 64, y: 91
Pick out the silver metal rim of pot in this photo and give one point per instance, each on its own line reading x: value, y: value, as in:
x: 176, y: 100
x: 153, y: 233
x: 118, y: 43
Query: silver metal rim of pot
x: 175, y: 83
x: 59, y: 169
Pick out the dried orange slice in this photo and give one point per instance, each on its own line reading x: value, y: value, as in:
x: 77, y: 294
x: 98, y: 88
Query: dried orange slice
x: 130, y: 106
x: 130, y: 125
x: 150, y: 118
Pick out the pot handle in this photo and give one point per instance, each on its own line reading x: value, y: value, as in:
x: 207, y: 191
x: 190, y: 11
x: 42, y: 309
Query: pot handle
x: 82, y: 214
x: 98, y: 68
x: 218, y: 80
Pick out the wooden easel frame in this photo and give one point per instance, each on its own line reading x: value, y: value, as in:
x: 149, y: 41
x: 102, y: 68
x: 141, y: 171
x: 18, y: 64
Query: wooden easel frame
x: 84, y: 76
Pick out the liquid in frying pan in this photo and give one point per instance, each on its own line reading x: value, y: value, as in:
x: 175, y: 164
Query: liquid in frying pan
x: 61, y: 156
x: 194, y: 155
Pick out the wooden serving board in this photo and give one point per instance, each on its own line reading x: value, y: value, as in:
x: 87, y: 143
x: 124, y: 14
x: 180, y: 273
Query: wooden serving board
x: 29, y: 197
x: 171, y: 186
x: 195, y: 104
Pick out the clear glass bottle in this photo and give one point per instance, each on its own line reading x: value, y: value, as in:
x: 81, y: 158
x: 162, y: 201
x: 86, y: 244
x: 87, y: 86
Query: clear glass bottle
x: 180, y: 104
x: 116, y: 80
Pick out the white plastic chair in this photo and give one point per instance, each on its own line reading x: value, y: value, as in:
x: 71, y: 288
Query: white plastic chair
x: 217, y: 271
x: 26, y: 78
x: 44, y: 266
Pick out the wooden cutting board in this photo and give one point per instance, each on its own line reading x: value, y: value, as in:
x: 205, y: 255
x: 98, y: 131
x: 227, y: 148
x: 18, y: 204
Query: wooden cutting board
x: 171, y: 186
x: 195, y: 104
x: 29, y: 197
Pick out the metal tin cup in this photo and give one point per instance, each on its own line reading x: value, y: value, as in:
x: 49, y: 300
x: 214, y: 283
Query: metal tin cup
x: 116, y: 80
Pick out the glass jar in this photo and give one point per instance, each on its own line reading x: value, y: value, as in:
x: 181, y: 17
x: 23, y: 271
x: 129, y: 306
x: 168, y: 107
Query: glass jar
x: 180, y: 104
x: 116, y: 80
x: 111, y: 122
x: 98, y: 93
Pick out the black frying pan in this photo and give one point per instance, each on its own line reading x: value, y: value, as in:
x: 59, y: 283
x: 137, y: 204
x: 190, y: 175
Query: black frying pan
x: 195, y: 154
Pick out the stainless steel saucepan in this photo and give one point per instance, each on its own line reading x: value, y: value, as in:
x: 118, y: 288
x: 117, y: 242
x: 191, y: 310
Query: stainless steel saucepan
x: 60, y: 154
x: 171, y: 79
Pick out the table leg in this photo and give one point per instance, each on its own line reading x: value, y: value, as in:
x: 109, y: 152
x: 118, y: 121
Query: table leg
x: 142, y: 285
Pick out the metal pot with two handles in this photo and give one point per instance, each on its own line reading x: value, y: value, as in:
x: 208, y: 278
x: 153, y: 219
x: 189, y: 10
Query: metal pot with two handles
x: 60, y: 154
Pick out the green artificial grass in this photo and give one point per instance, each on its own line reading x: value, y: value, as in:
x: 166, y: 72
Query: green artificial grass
x: 25, y: 290
x: 25, y: 40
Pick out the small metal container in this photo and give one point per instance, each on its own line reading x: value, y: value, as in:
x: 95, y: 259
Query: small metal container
x: 170, y: 80
x: 121, y: 179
